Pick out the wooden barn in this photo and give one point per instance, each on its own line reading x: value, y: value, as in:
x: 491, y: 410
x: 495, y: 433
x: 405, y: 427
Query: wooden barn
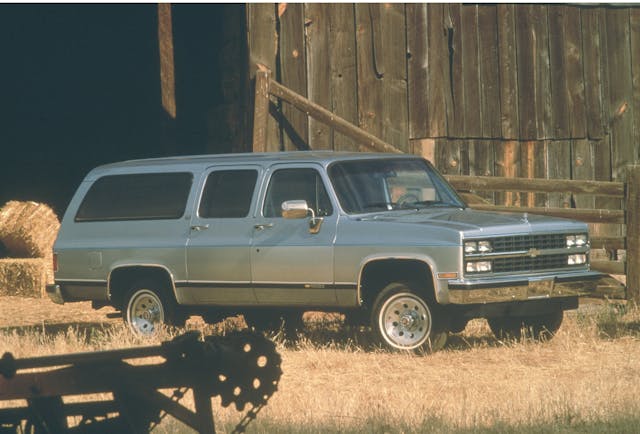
x: 516, y: 90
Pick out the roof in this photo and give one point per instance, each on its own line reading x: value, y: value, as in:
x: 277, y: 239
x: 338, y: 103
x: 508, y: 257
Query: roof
x: 200, y: 162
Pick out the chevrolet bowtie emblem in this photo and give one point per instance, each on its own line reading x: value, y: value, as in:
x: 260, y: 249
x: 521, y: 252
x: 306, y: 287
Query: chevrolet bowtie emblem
x: 534, y: 252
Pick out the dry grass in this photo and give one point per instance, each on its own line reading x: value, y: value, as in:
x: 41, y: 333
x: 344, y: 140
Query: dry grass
x: 587, y: 376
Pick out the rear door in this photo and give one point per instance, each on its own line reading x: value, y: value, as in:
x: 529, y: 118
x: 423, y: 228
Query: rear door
x: 219, y: 247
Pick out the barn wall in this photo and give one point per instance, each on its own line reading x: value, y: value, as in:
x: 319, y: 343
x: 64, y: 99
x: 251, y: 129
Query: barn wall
x: 512, y: 90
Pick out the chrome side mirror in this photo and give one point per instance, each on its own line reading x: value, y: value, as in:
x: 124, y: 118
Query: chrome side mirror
x: 298, y: 209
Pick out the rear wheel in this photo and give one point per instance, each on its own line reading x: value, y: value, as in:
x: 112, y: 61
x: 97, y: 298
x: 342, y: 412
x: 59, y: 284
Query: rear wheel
x: 402, y: 319
x: 540, y: 327
x: 147, y: 306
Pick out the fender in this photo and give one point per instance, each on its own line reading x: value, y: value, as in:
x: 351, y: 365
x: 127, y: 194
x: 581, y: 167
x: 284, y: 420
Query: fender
x: 426, y: 259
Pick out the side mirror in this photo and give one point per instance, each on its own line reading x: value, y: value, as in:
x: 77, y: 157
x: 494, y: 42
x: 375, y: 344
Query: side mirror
x: 298, y: 209
x: 295, y: 209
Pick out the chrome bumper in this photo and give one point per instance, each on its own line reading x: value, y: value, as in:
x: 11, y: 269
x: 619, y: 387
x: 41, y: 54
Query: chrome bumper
x: 531, y: 288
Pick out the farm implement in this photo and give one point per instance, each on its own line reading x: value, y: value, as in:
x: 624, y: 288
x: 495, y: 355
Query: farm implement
x: 121, y: 391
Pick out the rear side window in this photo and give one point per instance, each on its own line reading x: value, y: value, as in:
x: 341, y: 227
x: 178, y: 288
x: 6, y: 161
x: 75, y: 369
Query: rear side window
x: 228, y: 194
x: 149, y: 196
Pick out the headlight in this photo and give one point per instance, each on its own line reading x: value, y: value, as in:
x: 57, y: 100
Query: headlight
x: 484, y: 247
x: 472, y: 247
x: 479, y: 267
x: 577, y: 259
x: 579, y: 240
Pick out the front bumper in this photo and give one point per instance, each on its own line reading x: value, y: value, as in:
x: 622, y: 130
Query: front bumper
x: 530, y: 288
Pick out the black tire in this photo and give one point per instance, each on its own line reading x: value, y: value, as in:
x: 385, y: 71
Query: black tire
x: 149, y: 304
x: 404, y: 319
x: 539, y: 327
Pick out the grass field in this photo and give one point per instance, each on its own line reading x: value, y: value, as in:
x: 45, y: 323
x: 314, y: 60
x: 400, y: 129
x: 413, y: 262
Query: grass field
x: 584, y: 380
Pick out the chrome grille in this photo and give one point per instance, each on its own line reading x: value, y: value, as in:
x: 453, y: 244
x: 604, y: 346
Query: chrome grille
x: 516, y: 243
x: 527, y: 263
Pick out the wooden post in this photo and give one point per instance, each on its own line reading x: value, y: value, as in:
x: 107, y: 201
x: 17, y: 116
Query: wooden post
x: 261, y: 111
x: 632, y: 207
x: 167, y: 69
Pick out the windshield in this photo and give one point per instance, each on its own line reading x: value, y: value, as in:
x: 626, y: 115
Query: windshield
x: 364, y: 186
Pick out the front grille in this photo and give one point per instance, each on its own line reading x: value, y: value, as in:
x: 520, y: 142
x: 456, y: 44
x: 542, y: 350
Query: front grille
x: 527, y: 263
x: 525, y: 242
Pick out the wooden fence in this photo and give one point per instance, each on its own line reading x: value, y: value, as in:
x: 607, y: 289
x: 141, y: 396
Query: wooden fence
x: 629, y: 191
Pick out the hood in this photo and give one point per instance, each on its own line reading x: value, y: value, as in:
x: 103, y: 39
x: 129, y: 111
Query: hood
x: 480, y: 223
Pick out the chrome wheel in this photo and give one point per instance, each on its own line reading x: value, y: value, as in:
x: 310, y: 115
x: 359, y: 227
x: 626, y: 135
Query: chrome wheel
x: 404, y: 321
x: 145, y: 312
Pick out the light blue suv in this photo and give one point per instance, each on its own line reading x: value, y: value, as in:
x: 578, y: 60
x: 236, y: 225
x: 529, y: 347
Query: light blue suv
x: 382, y: 238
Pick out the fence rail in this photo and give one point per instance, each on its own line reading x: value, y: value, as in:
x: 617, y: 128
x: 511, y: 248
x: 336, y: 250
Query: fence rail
x: 628, y: 191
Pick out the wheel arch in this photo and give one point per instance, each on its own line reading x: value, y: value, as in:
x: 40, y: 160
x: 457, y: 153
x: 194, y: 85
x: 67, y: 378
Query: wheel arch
x: 123, y: 276
x: 377, y: 272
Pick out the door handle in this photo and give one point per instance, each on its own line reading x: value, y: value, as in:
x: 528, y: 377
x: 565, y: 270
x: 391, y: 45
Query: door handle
x: 262, y: 226
x: 198, y: 228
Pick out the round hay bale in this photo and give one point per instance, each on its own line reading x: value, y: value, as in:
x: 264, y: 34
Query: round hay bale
x: 28, y: 229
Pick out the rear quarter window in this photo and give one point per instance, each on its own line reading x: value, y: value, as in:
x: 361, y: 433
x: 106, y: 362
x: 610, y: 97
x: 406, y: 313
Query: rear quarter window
x: 149, y: 196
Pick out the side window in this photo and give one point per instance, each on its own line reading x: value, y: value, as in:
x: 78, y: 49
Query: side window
x: 149, y: 196
x: 296, y: 184
x: 228, y: 193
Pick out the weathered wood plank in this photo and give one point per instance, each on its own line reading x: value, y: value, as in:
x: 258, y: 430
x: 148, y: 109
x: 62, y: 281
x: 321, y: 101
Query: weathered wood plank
x: 439, y: 83
x: 559, y: 167
x: 592, y: 51
x: 507, y: 155
x: 533, y: 71
x: 489, y: 71
x: 342, y: 61
x: 370, y: 103
x: 601, y: 188
x: 293, y: 69
x: 608, y: 267
x: 567, y: 84
x: 263, y: 46
x: 458, y: 109
x: 532, y: 154
x: 508, y: 72
x: 635, y: 65
x: 583, y: 169
x: 167, y: 64
x: 543, y: 72
x: 317, y: 29
x: 471, y: 71
x: 575, y: 72
x: 448, y: 157
x: 526, y: 59
x: 481, y: 162
x: 393, y: 50
x: 417, y: 69
x: 621, y: 91
x: 560, y: 99
x: 261, y: 111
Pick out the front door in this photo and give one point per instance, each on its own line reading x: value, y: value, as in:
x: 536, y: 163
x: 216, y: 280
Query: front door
x: 291, y: 265
x: 218, y: 252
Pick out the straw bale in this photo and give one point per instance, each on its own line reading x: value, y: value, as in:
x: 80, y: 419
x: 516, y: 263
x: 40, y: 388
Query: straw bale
x: 23, y: 277
x: 28, y: 229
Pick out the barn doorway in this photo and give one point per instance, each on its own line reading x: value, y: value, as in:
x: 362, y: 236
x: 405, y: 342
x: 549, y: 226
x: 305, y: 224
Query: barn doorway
x: 81, y: 87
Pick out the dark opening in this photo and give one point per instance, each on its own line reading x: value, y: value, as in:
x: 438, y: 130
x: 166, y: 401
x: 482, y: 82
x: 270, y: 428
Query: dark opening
x: 81, y: 87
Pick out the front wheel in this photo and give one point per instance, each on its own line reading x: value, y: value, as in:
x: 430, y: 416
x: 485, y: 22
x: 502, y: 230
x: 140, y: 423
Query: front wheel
x: 402, y: 319
x: 147, y: 306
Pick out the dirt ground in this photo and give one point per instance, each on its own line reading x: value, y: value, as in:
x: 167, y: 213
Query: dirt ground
x: 20, y: 312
